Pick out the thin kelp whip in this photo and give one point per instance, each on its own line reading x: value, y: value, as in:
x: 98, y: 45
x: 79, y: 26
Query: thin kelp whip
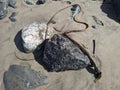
x: 97, y: 73
x: 74, y: 18
x: 20, y: 58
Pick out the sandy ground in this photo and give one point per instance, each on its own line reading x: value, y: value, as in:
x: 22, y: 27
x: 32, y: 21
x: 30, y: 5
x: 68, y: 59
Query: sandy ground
x: 107, y: 44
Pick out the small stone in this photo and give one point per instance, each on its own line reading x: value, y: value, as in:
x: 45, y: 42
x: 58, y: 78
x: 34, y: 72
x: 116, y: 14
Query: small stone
x: 29, y: 2
x: 40, y: 2
x: 75, y: 10
x: 53, y: 22
x: 12, y: 19
x: 93, y: 26
x: 12, y: 3
x: 13, y: 14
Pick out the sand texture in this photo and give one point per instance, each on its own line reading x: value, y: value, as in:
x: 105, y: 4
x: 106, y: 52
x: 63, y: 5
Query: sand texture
x: 106, y: 37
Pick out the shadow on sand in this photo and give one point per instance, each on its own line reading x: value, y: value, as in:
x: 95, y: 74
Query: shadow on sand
x: 19, y: 42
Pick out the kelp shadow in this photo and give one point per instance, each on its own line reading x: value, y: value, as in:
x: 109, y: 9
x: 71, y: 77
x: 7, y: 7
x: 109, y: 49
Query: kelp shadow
x: 108, y: 8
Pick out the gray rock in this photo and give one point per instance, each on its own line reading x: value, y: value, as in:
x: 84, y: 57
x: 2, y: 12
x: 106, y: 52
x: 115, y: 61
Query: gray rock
x: 29, y: 2
x: 12, y: 17
x: 3, y: 9
x: 12, y: 3
x: 23, y: 78
x: 13, y: 14
x: 62, y: 54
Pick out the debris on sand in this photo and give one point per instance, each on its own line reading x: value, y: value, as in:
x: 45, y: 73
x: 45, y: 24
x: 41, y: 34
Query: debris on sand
x: 23, y: 78
x: 98, y: 21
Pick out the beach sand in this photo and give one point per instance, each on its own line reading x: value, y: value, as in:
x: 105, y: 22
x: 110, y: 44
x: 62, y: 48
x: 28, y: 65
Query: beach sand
x: 106, y: 37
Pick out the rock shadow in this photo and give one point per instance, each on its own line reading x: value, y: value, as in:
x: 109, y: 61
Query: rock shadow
x: 19, y: 42
x: 108, y: 8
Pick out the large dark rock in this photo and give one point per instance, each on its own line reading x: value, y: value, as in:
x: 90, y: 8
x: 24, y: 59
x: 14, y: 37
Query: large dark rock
x: 61, y: 54
x: 23, y: 78
x: 116, y: 5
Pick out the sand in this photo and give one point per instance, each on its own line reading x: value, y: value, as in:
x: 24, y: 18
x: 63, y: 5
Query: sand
x: 106, y: 37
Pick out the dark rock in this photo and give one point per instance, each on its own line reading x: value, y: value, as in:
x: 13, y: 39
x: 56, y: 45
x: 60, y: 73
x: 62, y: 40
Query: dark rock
x: 94, y: 26
x: 12, y: 19
x: 116, y: 5
x: 62, y: 54
x: 12, y: 3
x: 23, y: 78
x: 29, y: 2
x: 13, y: 14
x: 68, y: 2
x: 53, y: 22
x: 40, y: 2
x: 75, y: 10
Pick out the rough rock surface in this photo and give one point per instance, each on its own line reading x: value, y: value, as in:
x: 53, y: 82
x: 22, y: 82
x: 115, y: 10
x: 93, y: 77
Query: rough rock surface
x: 62, y: 54
x: 23, y: 78
x: 33, y: 35
x: 116, y: 4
